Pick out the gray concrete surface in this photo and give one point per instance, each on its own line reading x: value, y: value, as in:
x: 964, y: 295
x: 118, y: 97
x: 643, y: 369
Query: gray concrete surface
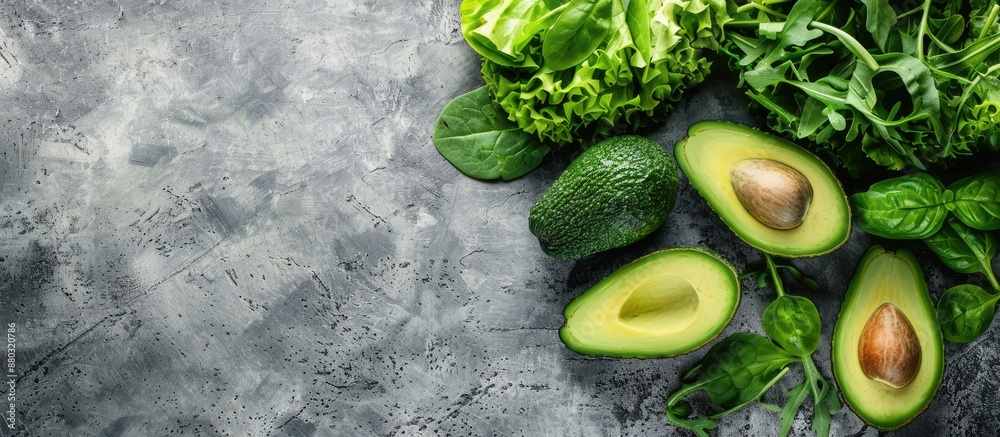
x: 228, y: 218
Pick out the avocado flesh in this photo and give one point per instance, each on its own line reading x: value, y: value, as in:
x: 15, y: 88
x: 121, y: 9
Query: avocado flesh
x: 710, y: 151
x: 664, y: 304
x: 884, y: 276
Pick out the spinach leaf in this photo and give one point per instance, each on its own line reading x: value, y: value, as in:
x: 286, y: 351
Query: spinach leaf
x: 579, y: 30
x: 977, y: 201
x: 737, y: 370
x: 911, y: 206
x: 965, y: 250
x: 734, y: 372
x: 793, y: 322
x: 965, y: 312
x: 482, y: 143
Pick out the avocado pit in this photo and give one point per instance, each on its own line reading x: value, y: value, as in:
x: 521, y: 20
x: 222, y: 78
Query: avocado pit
x: 888, y: 349
x: 774, y: 193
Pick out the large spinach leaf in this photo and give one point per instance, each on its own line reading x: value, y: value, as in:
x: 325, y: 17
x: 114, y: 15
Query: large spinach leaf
x: 736, y: 371
x: 482, y: 143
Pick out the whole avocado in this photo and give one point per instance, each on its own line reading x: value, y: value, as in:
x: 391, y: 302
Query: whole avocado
x: 613, y: 194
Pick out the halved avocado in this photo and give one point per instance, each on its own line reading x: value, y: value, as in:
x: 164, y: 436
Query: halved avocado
x: 895, y: 278
x: 666, y: 303
x: 713, y: 149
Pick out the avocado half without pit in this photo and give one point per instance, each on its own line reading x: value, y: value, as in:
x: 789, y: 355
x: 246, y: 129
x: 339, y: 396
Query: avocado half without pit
x: 775, y: 195
x: 664, y: 304
x: 887, y: 348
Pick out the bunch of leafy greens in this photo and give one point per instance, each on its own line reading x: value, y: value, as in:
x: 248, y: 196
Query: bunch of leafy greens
x: 871, y: 85
x: 572, y: 71
x: 741, y: 368
x: 957, y: 222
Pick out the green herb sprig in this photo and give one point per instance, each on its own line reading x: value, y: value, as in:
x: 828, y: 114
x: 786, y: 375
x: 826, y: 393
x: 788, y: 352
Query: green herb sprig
x: 740, y: 369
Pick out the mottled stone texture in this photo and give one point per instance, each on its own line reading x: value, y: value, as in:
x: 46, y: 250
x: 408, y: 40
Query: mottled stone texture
x: 228, y: 218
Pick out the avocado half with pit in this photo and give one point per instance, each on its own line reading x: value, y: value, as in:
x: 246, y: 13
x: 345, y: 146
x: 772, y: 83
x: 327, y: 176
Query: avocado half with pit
x: 888, y: 355
x: 775, y: 195
x: 664, y: 304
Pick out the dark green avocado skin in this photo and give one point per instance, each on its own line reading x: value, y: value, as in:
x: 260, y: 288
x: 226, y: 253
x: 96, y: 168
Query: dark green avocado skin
x: 613, y: 194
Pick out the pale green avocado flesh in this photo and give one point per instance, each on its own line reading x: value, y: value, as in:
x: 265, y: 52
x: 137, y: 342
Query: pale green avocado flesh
x: 895, y: 277
x: 664, y: 304
x: 707, y: 156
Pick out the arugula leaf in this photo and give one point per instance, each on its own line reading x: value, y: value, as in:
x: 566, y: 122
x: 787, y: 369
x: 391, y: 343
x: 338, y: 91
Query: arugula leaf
x: 479, y: 141
x: 796, y: 30
x: 924, y: 87
x: 879, y: 19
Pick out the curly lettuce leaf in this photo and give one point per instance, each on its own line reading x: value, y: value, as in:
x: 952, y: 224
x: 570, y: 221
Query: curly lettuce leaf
x: 654, y: 51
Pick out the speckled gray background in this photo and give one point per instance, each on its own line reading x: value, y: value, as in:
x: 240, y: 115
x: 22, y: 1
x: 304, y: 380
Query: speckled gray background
x: 228, y: 218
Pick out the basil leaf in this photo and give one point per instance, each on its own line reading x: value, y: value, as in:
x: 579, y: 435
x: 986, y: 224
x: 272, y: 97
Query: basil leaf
x: 977, y: 201
x: 577, y: 32
x: 482, y: 143
x: 965, y: 312
x: 793, y: 322
x: 906, y: 207
x: 963, y: 249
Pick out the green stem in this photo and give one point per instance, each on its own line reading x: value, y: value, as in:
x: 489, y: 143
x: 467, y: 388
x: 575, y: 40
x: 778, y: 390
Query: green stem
x: 811, y: 374
x: 993, y: 280
x: 743, y: 24
x: 760, y: 7
x: 989, y: 21
x: 923, y: 29
x: 774, y: 275
x: 852, y: 44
